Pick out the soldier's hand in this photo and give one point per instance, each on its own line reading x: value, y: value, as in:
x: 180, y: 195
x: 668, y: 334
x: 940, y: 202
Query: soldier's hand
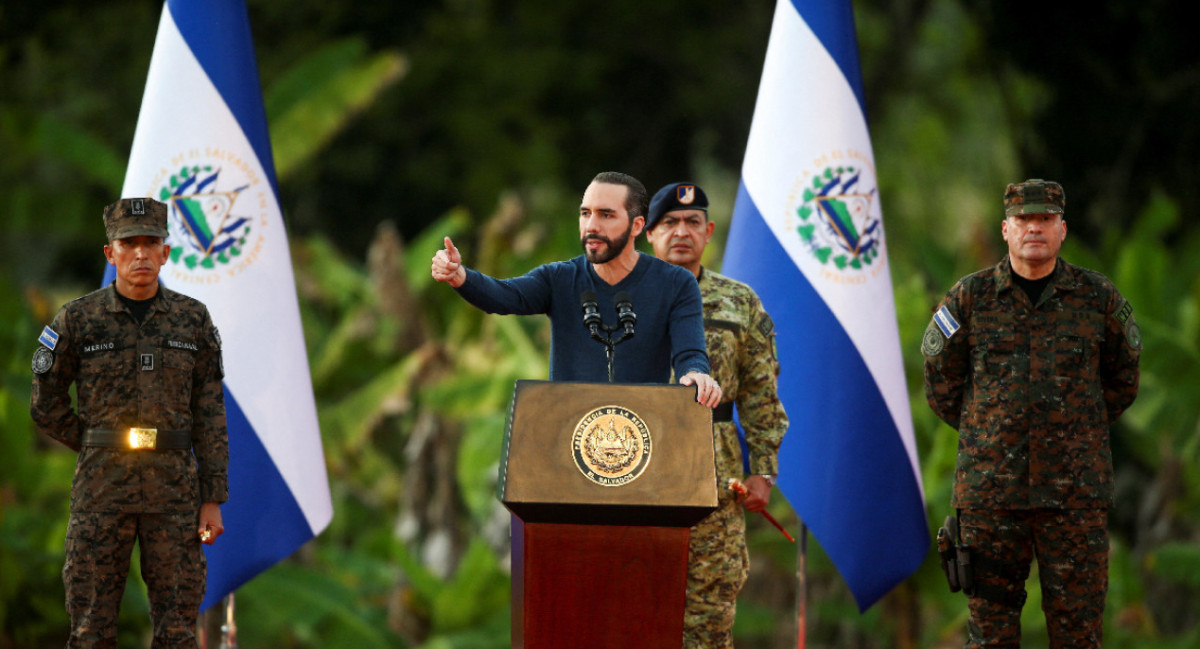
x: 758, y: 494
x: 707, y: 390
x: 447, y: 265
x: 210, y: 523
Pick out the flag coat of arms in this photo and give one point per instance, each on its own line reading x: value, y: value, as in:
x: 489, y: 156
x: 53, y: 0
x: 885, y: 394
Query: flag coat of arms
x: 807, y: 234
x: 201, y: 146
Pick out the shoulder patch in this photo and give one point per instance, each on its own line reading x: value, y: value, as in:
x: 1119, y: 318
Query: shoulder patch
x: 216, y: 343
x: 946, y: 322
x: 49, y: 338
x: 1124, y: 311
x: 933, y: 342
x: 766, y: 326
x: 1133, y: 335
x: 43, y: 360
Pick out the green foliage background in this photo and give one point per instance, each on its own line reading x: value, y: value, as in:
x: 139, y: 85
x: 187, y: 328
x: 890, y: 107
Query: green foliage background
x: 394, y: 124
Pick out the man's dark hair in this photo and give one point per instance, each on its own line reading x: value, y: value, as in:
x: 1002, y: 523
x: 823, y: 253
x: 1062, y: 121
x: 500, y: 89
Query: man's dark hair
x: 637, y: 202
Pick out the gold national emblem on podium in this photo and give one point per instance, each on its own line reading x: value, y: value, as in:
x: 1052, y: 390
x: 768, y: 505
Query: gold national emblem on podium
x: 611, y: 446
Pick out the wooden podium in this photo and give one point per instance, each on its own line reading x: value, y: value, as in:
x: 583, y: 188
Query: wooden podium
x: 603, y: 481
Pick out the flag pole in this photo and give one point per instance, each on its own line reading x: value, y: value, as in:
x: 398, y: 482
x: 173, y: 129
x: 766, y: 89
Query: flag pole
x: 802, y: 587
x: 229, y: 629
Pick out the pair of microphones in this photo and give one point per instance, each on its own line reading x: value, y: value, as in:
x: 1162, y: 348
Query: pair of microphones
x: 602, y: 333
x: 626, y: 318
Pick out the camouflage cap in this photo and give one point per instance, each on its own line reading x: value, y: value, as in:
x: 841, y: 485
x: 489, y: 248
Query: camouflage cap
x: 1034, y: 196
x: 135, y: 217
x: 676, y: 196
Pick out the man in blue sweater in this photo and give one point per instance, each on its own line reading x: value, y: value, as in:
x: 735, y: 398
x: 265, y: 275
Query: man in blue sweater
x: 670, y: 316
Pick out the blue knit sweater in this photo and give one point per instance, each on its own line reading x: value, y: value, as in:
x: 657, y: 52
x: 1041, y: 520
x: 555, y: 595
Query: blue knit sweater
x: 670, y: 317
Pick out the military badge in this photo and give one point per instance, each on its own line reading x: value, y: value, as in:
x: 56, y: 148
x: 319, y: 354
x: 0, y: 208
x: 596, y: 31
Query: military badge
x: 137, y: 206
x: 1133, y: 335
x: 48, y: 338
x: 216, y: 342
x: 946, y: 322
x: 1124, y: 311
x: 1124, y: 315
x: 43, y: 360
x: 933, y: 342
x: 766, y: 326
x: 685, y: 194
x: 611, y: 446
x: 147, y: 362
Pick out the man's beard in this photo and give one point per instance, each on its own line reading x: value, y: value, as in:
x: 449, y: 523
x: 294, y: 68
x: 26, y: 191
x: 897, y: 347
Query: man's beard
x: 611, y: 249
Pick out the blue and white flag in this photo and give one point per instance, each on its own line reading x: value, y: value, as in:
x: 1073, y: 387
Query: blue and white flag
x: 202, y: 147
x: 807, y: 235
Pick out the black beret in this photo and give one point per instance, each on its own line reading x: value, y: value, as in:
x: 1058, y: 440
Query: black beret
x: 676, y: 196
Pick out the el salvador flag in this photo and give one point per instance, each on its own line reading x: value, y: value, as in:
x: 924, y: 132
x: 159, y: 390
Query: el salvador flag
x: 202, y: 147
x: 807, y: 234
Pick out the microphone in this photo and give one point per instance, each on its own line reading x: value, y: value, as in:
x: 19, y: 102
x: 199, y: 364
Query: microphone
x: 625, y: 315
x: 591, y: 313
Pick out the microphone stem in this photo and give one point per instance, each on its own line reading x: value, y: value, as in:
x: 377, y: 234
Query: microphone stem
x: 608, y: 348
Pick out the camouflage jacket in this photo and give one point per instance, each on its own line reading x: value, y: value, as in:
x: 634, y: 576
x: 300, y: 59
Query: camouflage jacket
x: 741, y: 349
x: 1032, y: 389
x: 165, y: 373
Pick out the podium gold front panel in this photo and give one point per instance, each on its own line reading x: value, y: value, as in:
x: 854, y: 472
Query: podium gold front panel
x: 608, y: 454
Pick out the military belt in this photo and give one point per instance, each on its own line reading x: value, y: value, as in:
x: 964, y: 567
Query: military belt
x: 723, y: 412
x: 138, y: 438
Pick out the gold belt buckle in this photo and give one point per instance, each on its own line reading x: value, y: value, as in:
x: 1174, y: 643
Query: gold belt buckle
x: 143, y: 438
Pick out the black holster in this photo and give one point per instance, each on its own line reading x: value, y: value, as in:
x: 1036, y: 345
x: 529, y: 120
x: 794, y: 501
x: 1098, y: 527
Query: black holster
x: 955, y: 558
x: 959, y: 568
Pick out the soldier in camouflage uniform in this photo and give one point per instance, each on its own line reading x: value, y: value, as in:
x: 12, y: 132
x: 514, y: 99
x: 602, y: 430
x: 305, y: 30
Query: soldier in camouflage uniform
x: 149, y: 429
x: 741, y: 349
x: 1032, y: 361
